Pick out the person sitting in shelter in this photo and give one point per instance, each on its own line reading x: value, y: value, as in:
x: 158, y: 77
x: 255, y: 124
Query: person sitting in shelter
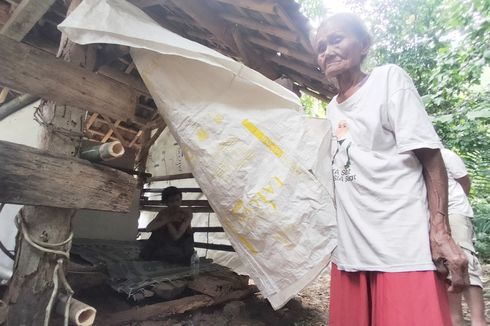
x: 171, y: 239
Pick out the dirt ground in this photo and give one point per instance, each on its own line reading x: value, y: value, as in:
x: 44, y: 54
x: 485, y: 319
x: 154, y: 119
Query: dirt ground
x: 309, y: 308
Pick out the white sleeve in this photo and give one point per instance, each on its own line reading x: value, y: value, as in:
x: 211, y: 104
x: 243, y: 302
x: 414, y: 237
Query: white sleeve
x: 407, y: 117
x: 454, y: 164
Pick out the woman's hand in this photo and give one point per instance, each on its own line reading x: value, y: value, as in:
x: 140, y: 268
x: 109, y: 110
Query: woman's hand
x: 446, y: 254
x: 449, y: 258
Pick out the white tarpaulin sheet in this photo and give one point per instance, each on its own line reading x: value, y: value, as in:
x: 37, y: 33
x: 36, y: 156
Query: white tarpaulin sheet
x: 245, y: 138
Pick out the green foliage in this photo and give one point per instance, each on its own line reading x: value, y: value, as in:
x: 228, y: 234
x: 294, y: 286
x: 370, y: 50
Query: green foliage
x: 444, y: 46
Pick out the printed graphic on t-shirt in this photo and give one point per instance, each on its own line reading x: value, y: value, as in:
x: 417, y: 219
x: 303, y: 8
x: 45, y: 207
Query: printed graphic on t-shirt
x: 342, y: 155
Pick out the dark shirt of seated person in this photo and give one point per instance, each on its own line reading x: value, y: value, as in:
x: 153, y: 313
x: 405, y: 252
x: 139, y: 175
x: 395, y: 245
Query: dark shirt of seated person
x: 171, y: 239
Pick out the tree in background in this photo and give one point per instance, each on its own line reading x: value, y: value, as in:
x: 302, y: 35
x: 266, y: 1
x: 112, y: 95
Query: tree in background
x: 444, y: 46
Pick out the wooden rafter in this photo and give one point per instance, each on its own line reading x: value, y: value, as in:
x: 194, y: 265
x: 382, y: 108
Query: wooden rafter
x: 113, y: 127
x: 204, y: 17
x: 257, y: 26
x: 288, y: 51
x: 24, y: 17
x: 23, y: 66
x: 255, y: 5
x: 290, y: 24
x: 90, y: 121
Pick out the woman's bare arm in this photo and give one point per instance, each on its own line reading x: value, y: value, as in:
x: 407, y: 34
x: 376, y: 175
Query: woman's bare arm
x: 159, y: 221
x: 446, y: 254
x: 177, y: 233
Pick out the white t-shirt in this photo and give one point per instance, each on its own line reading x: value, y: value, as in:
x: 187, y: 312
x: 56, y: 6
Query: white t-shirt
x: 457, y: 201
x: 382, y: 210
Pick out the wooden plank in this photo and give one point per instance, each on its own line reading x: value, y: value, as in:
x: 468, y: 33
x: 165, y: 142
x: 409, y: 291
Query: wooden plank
x: 135, y: 139
x: 181, y: 189
x: 123, y: 78
x: 24, y: 17
x: 171, y: 177
x: 205, y: 17
x: 91, y: 120
x: 281, y: 33
x: 300, y: 68
x: 30, y: 70
x: 174, y: 307
x: 212, y: 286
x: 161, y: 309
x: 185, y: 202
x: 213, y: 246
x: 290, y: 24
x: 255, y: 5
x: 143, y: 154
x: 206, y: 229
x: 194, y: 209
x: 29, y: 176
x: 4, y: 16
x: 293, y: 53
x: 116, y: 132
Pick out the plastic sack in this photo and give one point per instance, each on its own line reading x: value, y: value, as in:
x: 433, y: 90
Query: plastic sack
x: 246, y: 138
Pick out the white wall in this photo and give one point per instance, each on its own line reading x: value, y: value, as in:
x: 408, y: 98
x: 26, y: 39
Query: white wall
x: 19, y: 128
x: 107, y: 225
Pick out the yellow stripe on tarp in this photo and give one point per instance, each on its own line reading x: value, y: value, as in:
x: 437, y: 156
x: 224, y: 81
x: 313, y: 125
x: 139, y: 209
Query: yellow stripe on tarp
x: 263, y: 138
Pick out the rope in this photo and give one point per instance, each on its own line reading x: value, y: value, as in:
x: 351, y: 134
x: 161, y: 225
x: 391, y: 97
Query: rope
x: 41, y: 120
x: 58, y: 271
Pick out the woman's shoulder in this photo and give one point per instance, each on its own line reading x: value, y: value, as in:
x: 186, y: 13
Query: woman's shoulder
x: 395, y: 76
x: 390, y: 69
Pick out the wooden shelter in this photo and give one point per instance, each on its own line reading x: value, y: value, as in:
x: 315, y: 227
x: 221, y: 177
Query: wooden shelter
x: 107, y: 99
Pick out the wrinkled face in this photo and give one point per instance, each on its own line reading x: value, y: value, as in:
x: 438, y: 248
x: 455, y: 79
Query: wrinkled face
x: 174, y: 201
x: 338, y: 49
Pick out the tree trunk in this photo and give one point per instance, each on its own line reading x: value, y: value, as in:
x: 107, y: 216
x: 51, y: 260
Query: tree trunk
x: 31, y: 284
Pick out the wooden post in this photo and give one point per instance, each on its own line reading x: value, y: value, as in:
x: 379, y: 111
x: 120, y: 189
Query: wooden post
x: 31, y: 285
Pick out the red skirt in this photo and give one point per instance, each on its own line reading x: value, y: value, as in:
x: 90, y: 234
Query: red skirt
x: 388, y: 299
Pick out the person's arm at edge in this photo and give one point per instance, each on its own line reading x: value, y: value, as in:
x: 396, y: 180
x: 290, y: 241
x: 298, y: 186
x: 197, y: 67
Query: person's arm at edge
x: 446, y: 254
x: 465, y: 183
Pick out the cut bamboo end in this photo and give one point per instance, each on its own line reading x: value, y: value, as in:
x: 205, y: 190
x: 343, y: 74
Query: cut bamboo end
x: 80, y: 314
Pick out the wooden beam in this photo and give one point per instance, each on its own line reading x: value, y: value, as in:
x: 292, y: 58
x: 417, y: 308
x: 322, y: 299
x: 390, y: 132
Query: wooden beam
x: 135, y: 139
x: 90, y: 121
x: 116, y: 132
x: 171, y: 177
x: 162, y: 309
x: 303, y: 39
x: 123, y: 78
x: 24, y: 17
x: 185, y: 202
x: 194, y: 209
x: 143, y: 154
x: 213, y: 246
x: 253, y: 25
x: 293, y: 53
x: 254, y: 5
x: 4, y: 16
x: 205, y: 17
x: 196, y: 190
x: 30, y: 70
x: 29, y: 176
x: 16, y: 104
x: 309, y: 71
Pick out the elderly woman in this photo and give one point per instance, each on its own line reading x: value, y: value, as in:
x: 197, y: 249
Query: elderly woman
x: 391, y: 192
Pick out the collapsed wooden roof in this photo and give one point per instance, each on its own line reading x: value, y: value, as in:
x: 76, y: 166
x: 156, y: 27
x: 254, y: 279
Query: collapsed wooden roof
x: 270, y: 36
